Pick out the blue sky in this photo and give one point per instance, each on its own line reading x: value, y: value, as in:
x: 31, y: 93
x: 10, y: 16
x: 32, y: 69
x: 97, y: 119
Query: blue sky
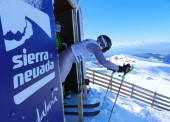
x: 127, y: 21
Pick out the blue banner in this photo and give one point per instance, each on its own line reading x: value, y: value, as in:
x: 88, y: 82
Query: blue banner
x: 30, y: 89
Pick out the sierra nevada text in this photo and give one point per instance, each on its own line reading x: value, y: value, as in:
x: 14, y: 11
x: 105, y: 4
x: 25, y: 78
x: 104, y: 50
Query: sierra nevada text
x: 28, y: 59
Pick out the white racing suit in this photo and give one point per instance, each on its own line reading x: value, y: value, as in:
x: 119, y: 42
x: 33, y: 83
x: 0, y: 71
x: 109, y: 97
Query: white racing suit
x: 80, y: 51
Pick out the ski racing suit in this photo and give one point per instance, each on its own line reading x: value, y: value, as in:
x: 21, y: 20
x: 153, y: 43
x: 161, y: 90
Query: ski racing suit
x: 81, y: 51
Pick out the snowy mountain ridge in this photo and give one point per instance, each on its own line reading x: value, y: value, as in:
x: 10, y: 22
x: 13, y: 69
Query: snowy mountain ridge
x: 157, y: 57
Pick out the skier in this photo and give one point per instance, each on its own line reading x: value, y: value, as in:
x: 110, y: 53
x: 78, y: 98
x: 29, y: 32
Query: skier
x: 85, y: 49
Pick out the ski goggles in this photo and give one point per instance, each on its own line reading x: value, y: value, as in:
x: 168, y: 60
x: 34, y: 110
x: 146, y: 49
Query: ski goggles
x: 103, y: 42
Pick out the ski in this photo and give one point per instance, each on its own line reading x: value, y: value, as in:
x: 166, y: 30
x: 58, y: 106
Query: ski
x: 91, y: 113
x: 93, y: 105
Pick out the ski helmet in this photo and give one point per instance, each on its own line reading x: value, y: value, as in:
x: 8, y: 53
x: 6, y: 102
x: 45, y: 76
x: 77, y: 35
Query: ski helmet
x: 105, y: 42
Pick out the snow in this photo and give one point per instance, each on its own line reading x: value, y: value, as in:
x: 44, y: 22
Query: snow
x: 125, y: 110
x: 150, y: 73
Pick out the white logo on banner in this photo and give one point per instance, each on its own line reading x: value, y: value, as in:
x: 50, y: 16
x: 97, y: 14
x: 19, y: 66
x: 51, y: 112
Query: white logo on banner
x: 47, y: 107
x: 13, y: 16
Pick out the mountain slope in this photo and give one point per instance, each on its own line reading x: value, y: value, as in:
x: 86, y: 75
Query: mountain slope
x: 150, y: 74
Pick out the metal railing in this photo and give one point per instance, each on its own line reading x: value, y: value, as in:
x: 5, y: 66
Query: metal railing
x: 149, y: 97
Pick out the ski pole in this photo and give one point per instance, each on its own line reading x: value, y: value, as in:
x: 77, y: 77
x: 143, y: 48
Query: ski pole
x: 123, y: 77
x: 108, y: 86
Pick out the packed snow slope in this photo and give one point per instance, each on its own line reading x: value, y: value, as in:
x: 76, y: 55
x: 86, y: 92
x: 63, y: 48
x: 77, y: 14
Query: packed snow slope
x: 125, y: 110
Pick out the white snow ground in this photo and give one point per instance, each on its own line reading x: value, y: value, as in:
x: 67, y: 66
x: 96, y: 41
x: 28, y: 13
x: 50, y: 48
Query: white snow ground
x: 148, y: 73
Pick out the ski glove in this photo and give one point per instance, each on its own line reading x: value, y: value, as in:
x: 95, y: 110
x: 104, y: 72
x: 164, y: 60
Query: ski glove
x: 124, y: 68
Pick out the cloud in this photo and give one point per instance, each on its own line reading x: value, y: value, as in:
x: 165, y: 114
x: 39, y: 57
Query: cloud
x: 136, y: 43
